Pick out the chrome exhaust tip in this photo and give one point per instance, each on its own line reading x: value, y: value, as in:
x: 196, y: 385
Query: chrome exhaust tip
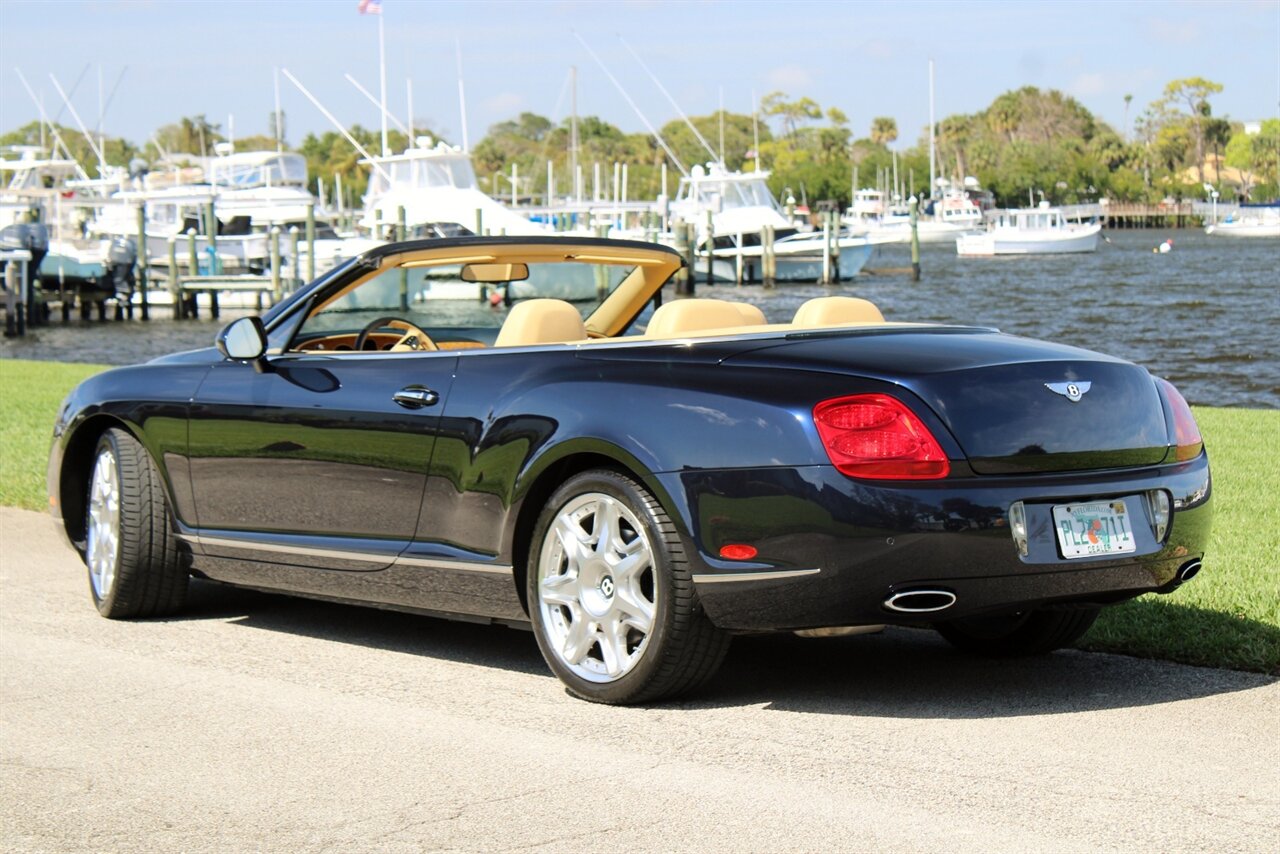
x: 1189, y: 570
x: 920, y: 601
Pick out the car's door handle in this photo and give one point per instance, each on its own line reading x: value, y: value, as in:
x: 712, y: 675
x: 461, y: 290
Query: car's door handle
x: 415, y: 397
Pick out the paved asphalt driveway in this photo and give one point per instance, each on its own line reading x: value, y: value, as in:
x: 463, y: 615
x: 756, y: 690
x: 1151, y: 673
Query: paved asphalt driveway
x: 259, y: 722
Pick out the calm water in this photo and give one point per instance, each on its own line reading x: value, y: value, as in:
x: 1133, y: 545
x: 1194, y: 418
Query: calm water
x: 1206, y: 316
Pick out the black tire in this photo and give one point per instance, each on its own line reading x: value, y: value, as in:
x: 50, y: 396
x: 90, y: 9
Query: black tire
x: 146, y: 562
x: 1020, y: 633
x: 681, y: 648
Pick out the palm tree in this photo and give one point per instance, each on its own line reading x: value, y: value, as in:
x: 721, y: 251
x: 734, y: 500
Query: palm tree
x: 884, y: 130
x: 1127, y: 99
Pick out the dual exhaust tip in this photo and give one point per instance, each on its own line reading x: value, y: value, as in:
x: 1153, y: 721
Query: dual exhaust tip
x: 932, y: 600
x: 923, y: 601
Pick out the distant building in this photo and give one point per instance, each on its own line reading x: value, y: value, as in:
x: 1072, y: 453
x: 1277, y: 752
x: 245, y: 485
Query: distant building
x: 1253, y: 128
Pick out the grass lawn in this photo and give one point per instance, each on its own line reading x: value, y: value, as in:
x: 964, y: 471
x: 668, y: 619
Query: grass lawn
x: 1228, y: 616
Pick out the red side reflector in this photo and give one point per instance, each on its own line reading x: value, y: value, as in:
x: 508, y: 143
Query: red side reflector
x: 738, y: 551
x: 877, y: 436
x: 1186, y: 433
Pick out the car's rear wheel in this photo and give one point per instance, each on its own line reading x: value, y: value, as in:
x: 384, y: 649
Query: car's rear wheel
x: 611, y: 596
x: 135, y: 566
x: 1029, y: 632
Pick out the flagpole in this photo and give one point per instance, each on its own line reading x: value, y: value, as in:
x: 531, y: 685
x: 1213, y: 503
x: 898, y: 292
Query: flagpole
x: 382, y: 77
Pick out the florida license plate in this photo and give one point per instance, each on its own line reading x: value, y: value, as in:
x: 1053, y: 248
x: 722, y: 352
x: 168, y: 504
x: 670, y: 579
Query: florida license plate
x: 1095, y: 529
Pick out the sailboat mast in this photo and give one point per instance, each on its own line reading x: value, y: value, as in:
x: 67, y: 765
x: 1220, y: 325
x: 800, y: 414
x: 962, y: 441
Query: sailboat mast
x: 933, y: 169
x: 721, y: 124
x: 279, y: 131
x: 382, y: 80
x: 462, y: 95
x: 573, y: 134
x: 755, y: 128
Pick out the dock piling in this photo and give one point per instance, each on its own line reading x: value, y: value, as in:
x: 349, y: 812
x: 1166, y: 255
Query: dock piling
x: 192, y: 307
x: 274, y: 239
x: 826, y: 249
x: 684, y: 276
x: 711, y: 246
x: 914, y: 208
x: 141, y: 260
x: 768, y: 259
x: 295, y: 258
x: 175, y: 290
x: 311, y: 239
x: 740, y: 261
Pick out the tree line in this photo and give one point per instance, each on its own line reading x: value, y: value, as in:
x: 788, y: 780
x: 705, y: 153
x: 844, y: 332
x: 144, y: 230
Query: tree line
x: 1028, y: 144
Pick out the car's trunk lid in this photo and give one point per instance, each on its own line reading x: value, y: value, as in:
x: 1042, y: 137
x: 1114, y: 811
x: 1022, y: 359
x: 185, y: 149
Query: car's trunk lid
x: 1013, y: 404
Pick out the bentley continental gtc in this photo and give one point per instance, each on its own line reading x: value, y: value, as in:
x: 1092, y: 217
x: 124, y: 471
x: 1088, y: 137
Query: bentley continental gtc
x: 534, y: 431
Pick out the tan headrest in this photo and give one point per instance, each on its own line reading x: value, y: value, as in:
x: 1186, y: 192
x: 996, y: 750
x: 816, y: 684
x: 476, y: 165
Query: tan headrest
x: 693, y: 315
x: 836, y: 311
x: 541, y: 321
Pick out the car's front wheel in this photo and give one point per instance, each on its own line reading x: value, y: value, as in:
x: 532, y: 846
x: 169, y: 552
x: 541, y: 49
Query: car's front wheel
x: 135, y: 566
x: 1028, y: 632
x: 611, y: 596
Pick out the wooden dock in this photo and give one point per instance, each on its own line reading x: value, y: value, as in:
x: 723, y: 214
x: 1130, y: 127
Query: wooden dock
x: 1131, y: 215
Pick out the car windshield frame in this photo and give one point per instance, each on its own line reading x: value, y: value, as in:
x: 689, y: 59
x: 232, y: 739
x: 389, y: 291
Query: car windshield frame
x: 648, y: 267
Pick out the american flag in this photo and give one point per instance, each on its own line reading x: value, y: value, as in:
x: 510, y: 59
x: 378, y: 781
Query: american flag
x: 370, y: 7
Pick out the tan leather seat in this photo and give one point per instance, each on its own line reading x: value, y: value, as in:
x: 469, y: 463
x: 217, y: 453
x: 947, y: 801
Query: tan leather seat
x: 836, y: 311
x: 685, y: 316
x: 541, y: 321
x: 751, y: 314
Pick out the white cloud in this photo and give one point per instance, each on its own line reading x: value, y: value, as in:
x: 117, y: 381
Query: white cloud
x: 1089, y: 84
x: 789, y: 77
x: 504, y: 103
x: 1175, y: 32
x: 878, y: 49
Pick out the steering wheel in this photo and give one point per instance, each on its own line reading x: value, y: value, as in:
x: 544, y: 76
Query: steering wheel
x: 413, y: 338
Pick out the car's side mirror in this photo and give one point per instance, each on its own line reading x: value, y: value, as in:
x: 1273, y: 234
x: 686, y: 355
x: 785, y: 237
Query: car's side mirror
x: 245, y: 340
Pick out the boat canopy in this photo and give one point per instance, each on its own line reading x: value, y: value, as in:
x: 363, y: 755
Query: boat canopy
x: 422, y: 172
x: 720, y: 191
x: 257, y: 169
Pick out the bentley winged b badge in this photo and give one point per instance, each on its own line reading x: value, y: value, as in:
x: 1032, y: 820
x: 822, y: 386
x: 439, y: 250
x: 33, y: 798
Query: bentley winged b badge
x: 1071, y: 391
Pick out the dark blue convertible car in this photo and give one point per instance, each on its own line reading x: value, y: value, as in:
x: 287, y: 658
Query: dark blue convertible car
x: 530, y: 431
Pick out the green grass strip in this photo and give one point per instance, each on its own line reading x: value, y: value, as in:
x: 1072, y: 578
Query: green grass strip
x: 30, y: 393
x: 1228, y: 616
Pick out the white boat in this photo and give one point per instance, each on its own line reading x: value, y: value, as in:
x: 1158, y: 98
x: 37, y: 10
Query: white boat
x: 1258, y: 221
x: 170, y: 214
x: 1043, y: 230
x: 435, y: 184
x: 741, y: 206
x: 954, y: 215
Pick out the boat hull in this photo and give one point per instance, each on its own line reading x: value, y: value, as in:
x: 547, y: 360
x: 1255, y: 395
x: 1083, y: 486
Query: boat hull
x: 1066, y: 241
x: 797, y: 261
x: 1232, y: 229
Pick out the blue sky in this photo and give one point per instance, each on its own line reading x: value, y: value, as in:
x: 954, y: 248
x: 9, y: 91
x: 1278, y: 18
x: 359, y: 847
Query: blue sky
x: 185, y: 57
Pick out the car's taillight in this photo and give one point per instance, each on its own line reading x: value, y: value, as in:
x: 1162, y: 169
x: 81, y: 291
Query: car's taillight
x: 877, y: 436
x: 1187, y: 440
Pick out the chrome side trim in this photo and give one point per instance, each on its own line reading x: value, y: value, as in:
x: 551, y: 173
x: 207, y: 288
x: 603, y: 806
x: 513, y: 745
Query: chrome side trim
x: 284, y: 548
x: 342, y: 554
x: 457, y: 565
x: 762, y: 575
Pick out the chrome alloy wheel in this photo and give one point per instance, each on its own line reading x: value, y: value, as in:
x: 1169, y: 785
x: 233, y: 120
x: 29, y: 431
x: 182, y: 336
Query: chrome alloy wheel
x: 596, y: 587
x: 102, y: 552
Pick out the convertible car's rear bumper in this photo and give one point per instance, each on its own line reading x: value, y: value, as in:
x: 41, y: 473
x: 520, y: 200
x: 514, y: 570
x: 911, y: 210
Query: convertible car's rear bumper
x: 833, y: 551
